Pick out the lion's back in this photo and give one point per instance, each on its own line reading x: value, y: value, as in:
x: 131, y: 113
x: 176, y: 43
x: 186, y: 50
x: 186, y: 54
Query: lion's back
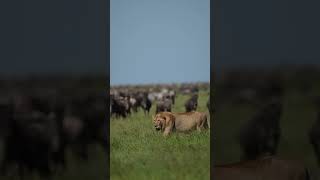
x: 190, y: 116
x: 189, y: 120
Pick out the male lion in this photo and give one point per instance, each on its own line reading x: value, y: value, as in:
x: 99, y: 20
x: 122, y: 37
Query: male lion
x: 168, y: 122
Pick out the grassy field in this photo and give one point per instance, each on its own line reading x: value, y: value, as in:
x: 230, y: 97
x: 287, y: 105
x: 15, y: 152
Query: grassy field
x: 298, y: 116
x: 138, y: 151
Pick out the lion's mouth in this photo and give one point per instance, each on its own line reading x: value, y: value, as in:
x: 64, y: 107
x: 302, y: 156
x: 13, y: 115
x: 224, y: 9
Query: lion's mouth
x: 158, y: 128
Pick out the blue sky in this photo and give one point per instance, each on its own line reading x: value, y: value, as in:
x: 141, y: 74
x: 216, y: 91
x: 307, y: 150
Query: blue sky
x: 159, y: 41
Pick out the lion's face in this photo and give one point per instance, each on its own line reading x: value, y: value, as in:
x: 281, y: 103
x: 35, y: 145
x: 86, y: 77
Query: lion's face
x: 159, y: 122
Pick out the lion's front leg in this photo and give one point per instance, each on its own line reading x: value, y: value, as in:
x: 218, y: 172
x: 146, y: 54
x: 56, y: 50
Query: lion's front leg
x: 166, y: 133
x: 168, y: 130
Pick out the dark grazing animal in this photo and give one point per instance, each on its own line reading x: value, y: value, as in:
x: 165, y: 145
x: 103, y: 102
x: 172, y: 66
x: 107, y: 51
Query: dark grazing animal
x: 192, y: 103
x: 262, y: 133
x: 144, y: 102
x: 142, y: 99
x: 119, y: 106
x: 172, y: 95
x: 133, y: 104
x: 146, y: 105
x: 163, y: 106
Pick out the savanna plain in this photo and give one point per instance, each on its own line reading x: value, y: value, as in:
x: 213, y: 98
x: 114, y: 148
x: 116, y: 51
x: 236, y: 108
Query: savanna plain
x: 138, y: 151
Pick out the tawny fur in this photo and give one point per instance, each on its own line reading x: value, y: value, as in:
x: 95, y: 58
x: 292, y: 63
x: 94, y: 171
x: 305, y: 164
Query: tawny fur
x: 168, y: 122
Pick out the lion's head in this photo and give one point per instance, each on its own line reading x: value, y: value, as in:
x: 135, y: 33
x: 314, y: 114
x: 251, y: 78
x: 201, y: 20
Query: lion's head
x: 159, y: 121
x: 164, y: 121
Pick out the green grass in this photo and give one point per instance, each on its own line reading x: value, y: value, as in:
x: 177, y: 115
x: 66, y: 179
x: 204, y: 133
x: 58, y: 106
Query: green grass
x: 138, y: 151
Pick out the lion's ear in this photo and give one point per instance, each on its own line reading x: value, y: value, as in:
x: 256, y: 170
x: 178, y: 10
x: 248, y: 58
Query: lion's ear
x: 153, y: 117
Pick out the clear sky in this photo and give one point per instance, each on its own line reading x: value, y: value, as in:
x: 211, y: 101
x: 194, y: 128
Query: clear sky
x: 159, y: 41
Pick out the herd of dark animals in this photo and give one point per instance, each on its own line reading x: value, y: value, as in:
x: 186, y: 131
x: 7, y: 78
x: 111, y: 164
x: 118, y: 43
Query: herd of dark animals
x: 39, y: 122
x: 260, y: 136
x: 121, y: 104
x: 124, y: 100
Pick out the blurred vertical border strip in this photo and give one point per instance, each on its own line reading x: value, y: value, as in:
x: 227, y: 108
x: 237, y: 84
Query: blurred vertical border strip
x: 214, y: 57
x: 104, y: 31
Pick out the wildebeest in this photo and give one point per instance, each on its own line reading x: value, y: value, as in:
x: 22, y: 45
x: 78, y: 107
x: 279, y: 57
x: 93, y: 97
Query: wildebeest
x: 133, y: 104
x: 189, y: 88
x: 145, y: 103
x: 192, y: 103
x: 172, y: 95
x: 119, y: 106
x: 264, y: 168
x: 261, y: 134
x: 141, y: 100
x: 164, y: 106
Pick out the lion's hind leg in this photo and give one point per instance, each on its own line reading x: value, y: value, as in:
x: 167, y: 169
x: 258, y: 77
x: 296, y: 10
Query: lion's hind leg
x: 199, y: 128
x: 204, y: 122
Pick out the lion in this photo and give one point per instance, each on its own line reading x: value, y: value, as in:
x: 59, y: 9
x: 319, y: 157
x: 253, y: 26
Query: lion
x: 168, y: 122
